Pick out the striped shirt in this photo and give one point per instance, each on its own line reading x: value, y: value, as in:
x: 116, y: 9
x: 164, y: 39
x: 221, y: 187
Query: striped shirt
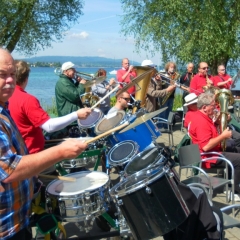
x: 15, y: 197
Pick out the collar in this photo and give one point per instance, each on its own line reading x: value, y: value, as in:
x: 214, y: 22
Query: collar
x: 17, y: 87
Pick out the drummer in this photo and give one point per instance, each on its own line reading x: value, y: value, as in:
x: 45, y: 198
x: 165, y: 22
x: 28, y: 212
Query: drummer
x: 122, y: 102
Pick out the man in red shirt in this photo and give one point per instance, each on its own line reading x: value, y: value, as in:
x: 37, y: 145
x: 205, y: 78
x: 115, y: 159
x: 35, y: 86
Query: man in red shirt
x: 191, y: 104
x: 125, y: 74
x: 204, y: 133
x: 222, y: 80
x: 200, y: 79
x: 29, y: 116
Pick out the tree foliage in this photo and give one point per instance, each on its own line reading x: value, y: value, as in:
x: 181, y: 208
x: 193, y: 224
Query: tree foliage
x: 31, y: 25
x: 185, y: 30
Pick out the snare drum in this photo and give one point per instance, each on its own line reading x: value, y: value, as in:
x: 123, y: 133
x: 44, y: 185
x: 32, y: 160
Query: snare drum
x: 122, y: 153
x: 151, y: 202
x: 91, y: 121
x: 143, y: 134
x: 143, y: 160
x: 81, y: 200
x: 109, y: 121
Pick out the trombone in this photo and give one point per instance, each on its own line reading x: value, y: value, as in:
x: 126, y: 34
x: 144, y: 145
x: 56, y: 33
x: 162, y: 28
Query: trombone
x: 86, y: 76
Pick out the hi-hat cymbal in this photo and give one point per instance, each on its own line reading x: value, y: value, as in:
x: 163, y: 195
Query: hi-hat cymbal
x: 143, y: 119
x: 134, y: 81
x: 95, y: 80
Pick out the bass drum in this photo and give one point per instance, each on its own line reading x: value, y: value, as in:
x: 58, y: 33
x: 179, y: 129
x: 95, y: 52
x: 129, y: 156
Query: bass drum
x: 151, y: 202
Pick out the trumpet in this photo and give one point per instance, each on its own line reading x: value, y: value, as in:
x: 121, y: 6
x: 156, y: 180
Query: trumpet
x: 86, y: 76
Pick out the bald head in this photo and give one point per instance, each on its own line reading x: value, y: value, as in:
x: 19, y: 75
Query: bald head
x: 7, y: 75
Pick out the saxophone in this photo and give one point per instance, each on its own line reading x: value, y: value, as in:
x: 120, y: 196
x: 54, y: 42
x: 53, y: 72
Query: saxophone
x: 225, y: 98
x: 209, y: 86
x: 173, y: 79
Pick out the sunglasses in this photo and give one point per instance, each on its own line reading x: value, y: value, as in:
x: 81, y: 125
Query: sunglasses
x: 126, y: 99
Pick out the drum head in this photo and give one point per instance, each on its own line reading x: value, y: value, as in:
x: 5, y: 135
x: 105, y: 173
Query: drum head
x: 138, y: 180
x: 142, y: 160
x: 109, y: 121
x: 122, y: 152
x: 91, y: 120
x: 85, y: 182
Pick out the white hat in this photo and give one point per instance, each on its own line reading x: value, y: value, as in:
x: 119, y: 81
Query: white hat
x: 190, y: 99
x: 67, y: 65
x: 147, y: 62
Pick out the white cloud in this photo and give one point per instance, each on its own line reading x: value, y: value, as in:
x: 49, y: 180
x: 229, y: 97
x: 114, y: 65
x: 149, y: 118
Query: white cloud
x: 81, y: 35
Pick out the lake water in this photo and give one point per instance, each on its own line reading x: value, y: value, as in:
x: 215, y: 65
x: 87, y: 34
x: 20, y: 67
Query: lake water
x: 42, y: 82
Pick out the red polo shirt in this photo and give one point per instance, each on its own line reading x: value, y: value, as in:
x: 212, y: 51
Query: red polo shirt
x: 197, y: 82
x: 28, y: 115
x: 127, y: 80
x: 201, y: 130
x: 222, y: 78
x: 190, y: 115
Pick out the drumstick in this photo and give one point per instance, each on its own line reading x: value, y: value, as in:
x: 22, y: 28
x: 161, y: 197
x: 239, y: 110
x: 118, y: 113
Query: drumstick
x: 113, y: 90
x: 70, y: 179
x: 107, y: 133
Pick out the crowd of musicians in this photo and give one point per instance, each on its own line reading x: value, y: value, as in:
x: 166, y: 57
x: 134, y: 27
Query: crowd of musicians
x: 22, y: 120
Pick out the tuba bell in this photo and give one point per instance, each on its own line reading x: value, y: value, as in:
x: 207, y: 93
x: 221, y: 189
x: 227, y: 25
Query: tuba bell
x: 143, y: 84
x: 225, y: 98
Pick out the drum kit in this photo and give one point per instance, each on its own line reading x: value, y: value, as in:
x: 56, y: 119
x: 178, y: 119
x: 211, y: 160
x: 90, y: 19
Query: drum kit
x: 147, y: 189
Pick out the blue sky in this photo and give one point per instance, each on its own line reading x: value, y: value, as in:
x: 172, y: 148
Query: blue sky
x: 97, y: 34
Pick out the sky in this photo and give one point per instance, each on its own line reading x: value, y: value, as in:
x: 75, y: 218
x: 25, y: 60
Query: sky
x: 97, y: 34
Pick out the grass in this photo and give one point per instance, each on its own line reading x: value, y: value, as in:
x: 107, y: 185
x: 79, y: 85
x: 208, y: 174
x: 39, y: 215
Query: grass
x: 177, y: 102
x: 52, y: 109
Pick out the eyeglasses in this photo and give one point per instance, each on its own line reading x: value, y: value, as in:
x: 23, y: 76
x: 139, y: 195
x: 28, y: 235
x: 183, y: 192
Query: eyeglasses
x: 126, y: 99
x: 204, y: 68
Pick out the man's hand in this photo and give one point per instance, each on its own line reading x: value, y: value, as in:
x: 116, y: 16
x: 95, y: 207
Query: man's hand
x: 171, y: 88
x: 112, y: 81
x: 71, y: 148
x: 130, y: 68
x: 83, y: 113
x: 227, y: 133
x: 82, y: 81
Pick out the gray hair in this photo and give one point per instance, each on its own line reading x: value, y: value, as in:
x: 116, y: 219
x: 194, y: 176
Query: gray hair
x: 205, y: 99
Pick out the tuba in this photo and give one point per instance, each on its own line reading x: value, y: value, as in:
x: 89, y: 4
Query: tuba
x: 225, y: 98
x: 143, y: 84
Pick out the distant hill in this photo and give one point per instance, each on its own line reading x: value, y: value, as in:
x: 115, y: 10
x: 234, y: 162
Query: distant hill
x: 80, y: 61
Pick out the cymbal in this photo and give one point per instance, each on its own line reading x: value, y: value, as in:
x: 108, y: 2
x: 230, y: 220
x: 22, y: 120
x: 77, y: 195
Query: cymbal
x: 95, y: 80
x: 135, y: 81
x: 143, y: 119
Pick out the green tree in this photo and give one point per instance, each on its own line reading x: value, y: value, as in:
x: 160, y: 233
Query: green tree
x: 30, y: 25
x: 185, y: 30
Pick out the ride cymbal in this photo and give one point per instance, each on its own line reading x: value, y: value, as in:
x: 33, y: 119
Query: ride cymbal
x: 143, y: 118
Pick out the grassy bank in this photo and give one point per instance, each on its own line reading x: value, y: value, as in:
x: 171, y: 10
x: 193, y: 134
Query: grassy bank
x: 52, y: 109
